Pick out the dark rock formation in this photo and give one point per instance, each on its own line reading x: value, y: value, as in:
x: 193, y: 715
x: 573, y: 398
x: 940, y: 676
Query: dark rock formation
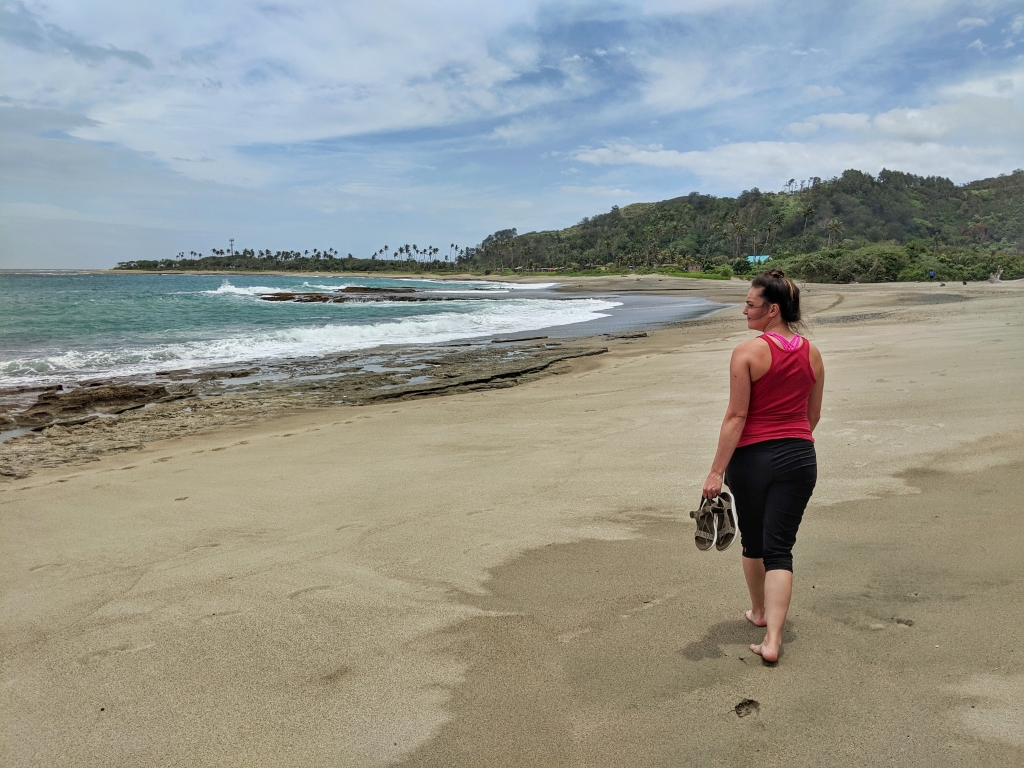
x: 239, y: 374
x: 56, y: 404
x: 355, y: 295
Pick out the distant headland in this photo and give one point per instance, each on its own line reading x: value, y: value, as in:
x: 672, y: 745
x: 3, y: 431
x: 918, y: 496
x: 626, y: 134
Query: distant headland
x: 853, y: 227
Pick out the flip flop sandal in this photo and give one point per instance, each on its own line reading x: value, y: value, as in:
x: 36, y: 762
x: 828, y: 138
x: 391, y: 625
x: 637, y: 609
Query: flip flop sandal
x: 707, y: 525
x: 727, y: 520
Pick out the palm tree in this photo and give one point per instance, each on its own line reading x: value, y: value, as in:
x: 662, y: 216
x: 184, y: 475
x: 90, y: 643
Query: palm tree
x: 808, y: 212
x: 738, y: 231
x: 834, y: 229
x: 773, y: 227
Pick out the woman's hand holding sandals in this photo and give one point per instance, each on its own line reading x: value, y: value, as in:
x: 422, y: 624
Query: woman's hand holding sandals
x: 713, y: 485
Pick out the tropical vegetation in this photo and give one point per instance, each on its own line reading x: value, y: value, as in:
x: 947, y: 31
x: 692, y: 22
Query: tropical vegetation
x: 854, y: 227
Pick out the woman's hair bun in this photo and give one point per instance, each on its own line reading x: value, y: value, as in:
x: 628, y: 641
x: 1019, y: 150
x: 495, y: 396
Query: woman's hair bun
x: 776, y: 288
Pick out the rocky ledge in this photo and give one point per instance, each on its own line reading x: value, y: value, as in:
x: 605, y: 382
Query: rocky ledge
x: 355, y: 293
x: 81, y: 424
x: 57, y: 405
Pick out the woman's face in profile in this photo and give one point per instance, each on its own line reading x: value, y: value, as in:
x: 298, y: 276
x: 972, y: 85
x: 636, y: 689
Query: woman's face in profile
x: 755, y: 308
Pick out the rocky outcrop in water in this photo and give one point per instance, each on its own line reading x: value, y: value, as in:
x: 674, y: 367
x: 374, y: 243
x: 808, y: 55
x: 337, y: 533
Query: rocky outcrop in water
x: 358, y: 293
x: 361, y: 296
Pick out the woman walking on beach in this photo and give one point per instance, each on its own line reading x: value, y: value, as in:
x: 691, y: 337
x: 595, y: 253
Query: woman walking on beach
x: 765, y: 448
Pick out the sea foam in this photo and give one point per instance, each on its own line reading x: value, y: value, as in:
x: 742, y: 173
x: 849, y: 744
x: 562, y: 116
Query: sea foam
x: 486, y: 318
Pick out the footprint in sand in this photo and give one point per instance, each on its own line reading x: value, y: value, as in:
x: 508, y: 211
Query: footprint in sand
x: 747, y: 707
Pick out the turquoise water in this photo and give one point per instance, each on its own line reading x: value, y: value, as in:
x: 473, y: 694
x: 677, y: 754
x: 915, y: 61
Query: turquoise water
x: 56, y: 327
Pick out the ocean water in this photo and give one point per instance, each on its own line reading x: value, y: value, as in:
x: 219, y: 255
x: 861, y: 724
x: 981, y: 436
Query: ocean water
x: 57, y: 327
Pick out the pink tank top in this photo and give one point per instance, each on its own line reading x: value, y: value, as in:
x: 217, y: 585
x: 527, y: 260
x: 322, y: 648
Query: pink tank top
x: 778, y: 400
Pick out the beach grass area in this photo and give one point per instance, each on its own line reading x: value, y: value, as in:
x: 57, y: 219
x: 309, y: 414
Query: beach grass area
x: 508, y: 576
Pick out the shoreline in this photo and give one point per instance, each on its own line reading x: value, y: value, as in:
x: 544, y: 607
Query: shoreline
x: 498, y: 575
x: 123, y: 412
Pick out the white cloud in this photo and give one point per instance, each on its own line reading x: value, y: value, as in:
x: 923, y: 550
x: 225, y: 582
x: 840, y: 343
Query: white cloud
x: 681, y: 84
x: 234, y: 77
x: 805, y: 128
x: 970, y: 23
x: 1017, y: 25
x: 1008, y: 84
x: 844, y: 121
x: 675, y: 85
x: 771, y: 162
x: 674, y: 7
x: 822, y: 92
x: 977, y: 45
x: 597, y: 191
x: 977, y: 130
x: 519, y: 132
x: 981, y: 109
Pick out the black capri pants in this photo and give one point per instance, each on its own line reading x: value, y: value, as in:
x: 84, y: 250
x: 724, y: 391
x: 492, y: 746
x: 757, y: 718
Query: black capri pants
x: 771, y: 483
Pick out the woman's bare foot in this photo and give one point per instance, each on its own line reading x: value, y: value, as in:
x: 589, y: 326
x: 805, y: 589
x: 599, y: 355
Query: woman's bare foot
x: 770, y: 653
x: 757, y: 619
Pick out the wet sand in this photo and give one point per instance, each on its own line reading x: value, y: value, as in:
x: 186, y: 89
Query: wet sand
x: 508, y: 577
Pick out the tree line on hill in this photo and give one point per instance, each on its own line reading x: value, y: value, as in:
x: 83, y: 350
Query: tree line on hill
x: 896, y: 226
x: 404, y: 258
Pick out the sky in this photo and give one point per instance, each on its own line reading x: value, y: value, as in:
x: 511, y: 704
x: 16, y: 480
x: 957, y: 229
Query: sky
x: 137, y: 130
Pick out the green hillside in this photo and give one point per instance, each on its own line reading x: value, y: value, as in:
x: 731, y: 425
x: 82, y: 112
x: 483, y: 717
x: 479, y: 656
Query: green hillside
x: 895, y: 226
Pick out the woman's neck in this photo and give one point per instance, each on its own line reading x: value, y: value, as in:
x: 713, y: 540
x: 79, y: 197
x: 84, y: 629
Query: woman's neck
x: 780, y: 327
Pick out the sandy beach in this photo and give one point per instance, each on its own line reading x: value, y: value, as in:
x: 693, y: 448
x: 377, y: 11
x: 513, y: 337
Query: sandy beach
x: 508, y: 576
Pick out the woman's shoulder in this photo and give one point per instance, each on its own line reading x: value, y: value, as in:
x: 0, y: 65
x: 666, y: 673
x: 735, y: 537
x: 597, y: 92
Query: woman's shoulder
x: 814, y: 354
x: 752, y: 347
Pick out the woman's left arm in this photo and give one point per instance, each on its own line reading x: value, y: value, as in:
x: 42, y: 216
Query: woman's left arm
x: 735, y: 419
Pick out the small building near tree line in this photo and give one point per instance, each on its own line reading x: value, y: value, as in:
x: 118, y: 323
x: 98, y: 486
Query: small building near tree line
x: 758, y: 259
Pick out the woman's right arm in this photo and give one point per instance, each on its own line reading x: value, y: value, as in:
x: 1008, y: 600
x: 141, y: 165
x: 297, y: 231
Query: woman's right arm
x: 735, y: 419
x: 814, y: 401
